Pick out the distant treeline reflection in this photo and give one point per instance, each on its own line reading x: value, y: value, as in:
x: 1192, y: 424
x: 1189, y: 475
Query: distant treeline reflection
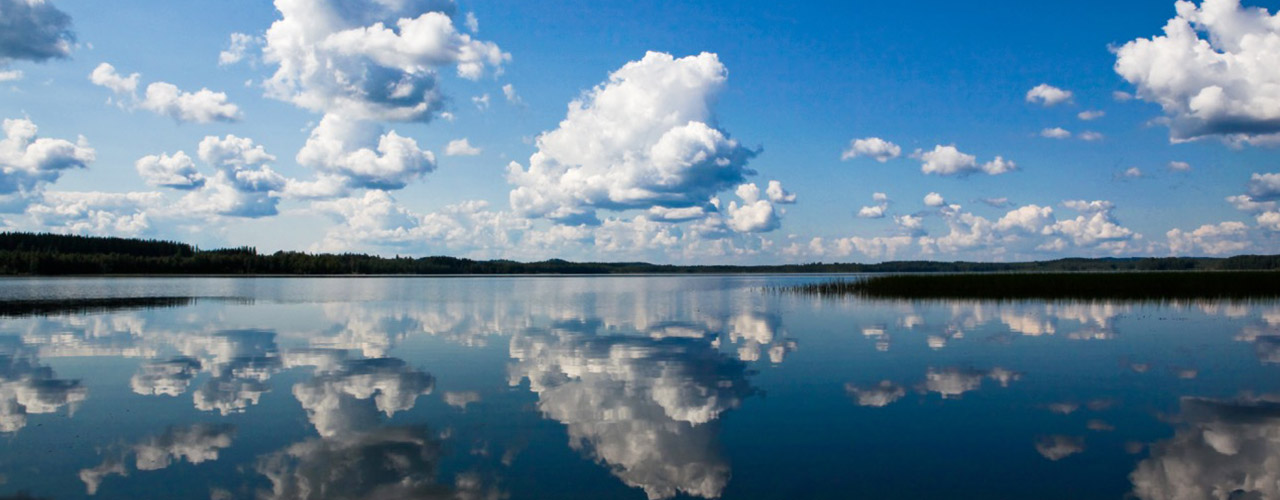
x: 1155, y: 286
x: 52, y: 254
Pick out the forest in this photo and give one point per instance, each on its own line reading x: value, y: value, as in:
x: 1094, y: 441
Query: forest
x: 55, y: 254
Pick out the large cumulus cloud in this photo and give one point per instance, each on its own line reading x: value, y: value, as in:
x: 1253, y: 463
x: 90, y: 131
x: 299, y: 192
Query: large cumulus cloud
x: 646, y: 137
x: 370, y: 60
x: 362, y: 62
x: 1215, y: 71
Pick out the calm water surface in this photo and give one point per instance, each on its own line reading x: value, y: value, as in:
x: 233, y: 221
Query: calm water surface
x: 628, y: 387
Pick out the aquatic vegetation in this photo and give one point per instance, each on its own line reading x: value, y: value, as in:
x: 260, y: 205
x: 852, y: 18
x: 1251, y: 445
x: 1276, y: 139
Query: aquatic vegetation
x: 1012, y: 286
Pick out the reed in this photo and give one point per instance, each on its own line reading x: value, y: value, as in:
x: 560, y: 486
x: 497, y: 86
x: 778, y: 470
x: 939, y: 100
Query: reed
x: 1076, y: 286
x: 49, y: 307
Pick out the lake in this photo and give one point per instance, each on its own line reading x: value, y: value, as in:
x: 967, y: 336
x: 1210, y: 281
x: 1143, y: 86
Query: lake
x: 624, y: 387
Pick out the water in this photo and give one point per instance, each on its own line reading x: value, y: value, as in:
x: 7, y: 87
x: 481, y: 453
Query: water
x: 627, y: 387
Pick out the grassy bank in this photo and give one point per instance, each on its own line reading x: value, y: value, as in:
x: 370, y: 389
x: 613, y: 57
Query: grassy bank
x: 1076, y: 286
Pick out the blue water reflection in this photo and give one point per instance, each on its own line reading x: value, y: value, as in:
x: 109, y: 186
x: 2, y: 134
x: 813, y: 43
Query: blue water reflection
x: 629, y: 387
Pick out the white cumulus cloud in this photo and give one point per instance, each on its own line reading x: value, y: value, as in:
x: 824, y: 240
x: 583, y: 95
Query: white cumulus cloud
x: 28, y: 161
x: 1212, y: 239
x: 243, y: 184
x: 177, y: 171
x: 364, y: 157
x: 1048, y: 95
x: 1215, y: 71
x: 370, y: 59
x: 461, y: 147
x: 1264, y: 187
x: 754, y: 215
x: 1055, y: 133
x: 947, y: 160
x: 166, y: 99
x: 872, y: 147
x: 643, y: 138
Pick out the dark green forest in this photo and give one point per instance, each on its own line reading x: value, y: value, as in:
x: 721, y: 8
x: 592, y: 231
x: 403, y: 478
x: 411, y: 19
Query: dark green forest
x: 54, y: 254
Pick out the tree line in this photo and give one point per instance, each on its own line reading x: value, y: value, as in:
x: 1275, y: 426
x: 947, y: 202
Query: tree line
x: 57, y: 254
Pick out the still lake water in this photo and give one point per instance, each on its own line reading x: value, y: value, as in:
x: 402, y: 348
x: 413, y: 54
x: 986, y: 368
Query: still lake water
x: 628, y: 387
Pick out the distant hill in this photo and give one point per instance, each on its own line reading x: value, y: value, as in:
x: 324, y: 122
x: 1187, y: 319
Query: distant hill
x: 55, y: 254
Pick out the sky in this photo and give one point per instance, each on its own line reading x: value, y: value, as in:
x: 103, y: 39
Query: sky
x: 742, y: 132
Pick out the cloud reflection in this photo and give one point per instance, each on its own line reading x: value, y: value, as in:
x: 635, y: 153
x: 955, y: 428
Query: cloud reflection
x: 240, y: 363
x: 1222, y: 449
x: 879, y: 395
x: 384, y: 463
x: 951, y: 383
x: 169, y: 378
x: 1059, y: 447
x: 27, y: 387
x: 350, y: 397
x: 646, y: 408
x: 195, y: 444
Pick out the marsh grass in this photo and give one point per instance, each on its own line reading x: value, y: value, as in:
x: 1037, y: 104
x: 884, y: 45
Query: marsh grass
x: 49, y: 307
x: 1143, y: 286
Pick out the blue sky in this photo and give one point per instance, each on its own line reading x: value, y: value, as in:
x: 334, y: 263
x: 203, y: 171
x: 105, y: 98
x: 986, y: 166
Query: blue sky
x: 648, y: 130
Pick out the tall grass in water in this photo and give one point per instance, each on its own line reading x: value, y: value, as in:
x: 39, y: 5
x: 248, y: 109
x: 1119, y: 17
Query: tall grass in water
x: 49, y: 307
x: 1082, y: 286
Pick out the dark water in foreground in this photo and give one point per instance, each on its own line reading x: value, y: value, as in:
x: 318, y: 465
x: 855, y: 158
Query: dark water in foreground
x: 627, y: 387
